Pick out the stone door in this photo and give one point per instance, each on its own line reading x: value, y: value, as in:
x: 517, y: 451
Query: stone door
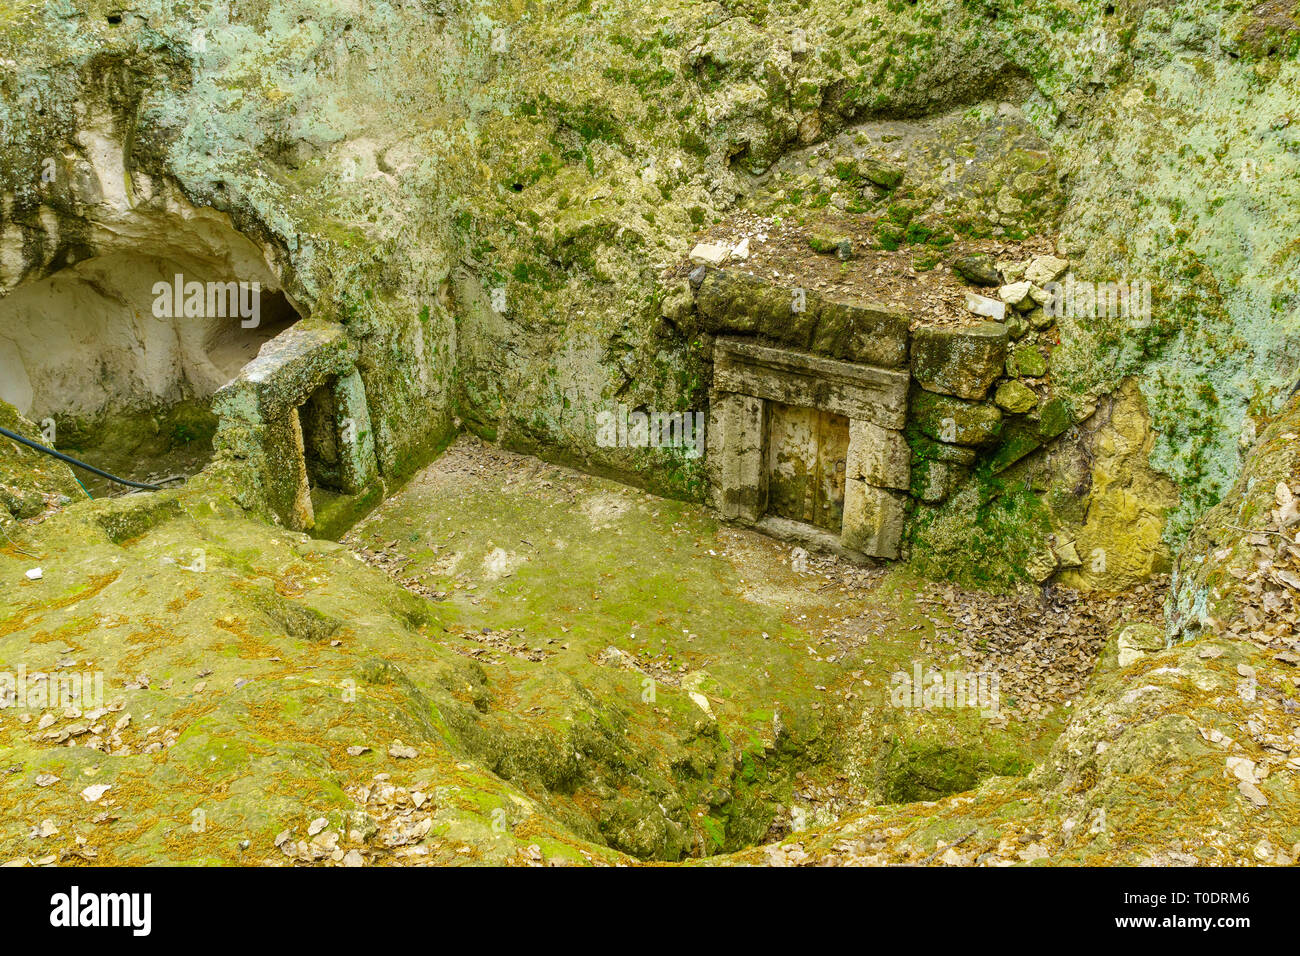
x: 807, y: 449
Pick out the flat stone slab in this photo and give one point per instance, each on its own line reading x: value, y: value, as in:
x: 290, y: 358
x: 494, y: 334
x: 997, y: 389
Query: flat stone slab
x: 292, y: 365
x: 856, y: 391
x: 710, y: 253
x: 734, y: 304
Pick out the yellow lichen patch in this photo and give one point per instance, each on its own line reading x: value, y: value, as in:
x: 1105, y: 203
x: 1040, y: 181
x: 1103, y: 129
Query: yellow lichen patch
x: 1120, y: 542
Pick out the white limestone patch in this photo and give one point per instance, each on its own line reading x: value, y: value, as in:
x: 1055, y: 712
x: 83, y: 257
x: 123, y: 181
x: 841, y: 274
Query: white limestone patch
x: 499, y: 562
x: 604, y: 509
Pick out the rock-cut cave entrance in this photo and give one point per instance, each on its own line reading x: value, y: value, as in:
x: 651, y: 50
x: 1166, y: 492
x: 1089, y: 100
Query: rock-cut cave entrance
x: 117, y: 354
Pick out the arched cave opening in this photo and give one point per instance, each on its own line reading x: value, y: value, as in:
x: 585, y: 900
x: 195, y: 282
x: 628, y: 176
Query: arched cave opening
x: 118, y: 355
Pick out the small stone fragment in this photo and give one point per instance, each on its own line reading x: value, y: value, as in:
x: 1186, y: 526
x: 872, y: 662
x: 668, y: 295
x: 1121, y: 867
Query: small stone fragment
x: 989, y: 308
x: 710, y: 253
x: 1016, y: 397
x: 1045, y: 269
x: 979, y: 269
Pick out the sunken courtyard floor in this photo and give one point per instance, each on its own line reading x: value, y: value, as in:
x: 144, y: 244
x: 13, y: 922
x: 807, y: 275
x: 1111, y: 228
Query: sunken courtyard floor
x: 506, y: 662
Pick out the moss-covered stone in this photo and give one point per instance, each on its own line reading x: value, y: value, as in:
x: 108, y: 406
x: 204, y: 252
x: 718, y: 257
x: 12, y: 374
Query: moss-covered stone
x: 979, y: 269
x: 1016, y: 397
x: 735, y: 304
x: 947, y: 419
x: 1027, y: 361
x: 878, y: 173
x: 962, y: 362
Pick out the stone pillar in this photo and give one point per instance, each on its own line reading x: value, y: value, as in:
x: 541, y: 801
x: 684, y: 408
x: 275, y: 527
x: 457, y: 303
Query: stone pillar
x: 879, y: 456
x: 358, y: 466
x: 879, y: 459
x: 873, y: 520
x: 287, y: 488
x: 737, y: 430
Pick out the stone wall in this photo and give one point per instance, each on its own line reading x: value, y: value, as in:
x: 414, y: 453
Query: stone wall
x: 928, y: 408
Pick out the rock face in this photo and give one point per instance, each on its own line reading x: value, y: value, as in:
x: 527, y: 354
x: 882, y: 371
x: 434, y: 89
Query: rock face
x: 1121, y: 542
x: 490, y: 243
x: 31, y: 484
x: 1236, y: 574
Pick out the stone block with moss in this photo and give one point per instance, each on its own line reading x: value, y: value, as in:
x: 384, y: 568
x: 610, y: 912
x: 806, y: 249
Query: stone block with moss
x: 947, y: 419
x: 962, y: 362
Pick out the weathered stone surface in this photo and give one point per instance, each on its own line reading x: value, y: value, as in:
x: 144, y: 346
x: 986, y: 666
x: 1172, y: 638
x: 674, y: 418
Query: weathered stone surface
x: 1121, y: 542
x: 1137, y: 641
x: 1029, y: 361
x: 358, y: 466
x: 934, y: 481
x: 1016, y: 295
x: 1045, y: 269
x: 350, y: 241
x: 1019, y: 439
x: 1067, y: 553
x: 1054, y: 417
x: 730, y: 303
x: 873, y: 520
x: 926, y: 449
x: 831, y: 243
x: 678, y: 303
x: 855, y: 391
x: 1039, y: 319
x: 879, y: 456
x: 30, y: 482
x: 884, y: 175
x: 862, y: 332
x: 979, y: 269
x: 1012, y: 271
x: 952, y: 420
x: 1217, y: 569
x: 294, y: 364
x: 735, y: 455
x: 961, y: 362
x: 1016, y: 397
x: 710, y: 253
x: 285, y: 474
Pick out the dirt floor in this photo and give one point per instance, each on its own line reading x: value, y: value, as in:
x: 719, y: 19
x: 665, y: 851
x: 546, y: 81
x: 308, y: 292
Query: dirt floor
x: 541, y: 560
